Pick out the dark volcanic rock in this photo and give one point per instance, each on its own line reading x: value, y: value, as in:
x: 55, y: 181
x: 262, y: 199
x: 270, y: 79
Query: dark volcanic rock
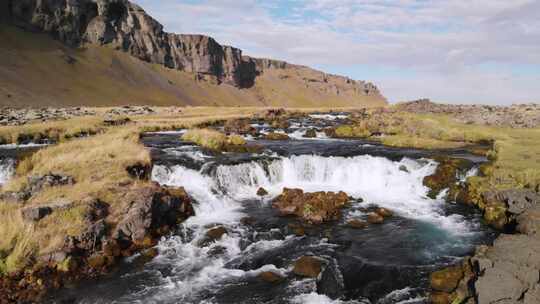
x: 125, y: 26
x: 331, y: 281
x: 151, y: 208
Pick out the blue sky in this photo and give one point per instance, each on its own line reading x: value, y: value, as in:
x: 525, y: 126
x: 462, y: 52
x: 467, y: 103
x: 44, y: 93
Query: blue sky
x: 456, y: 51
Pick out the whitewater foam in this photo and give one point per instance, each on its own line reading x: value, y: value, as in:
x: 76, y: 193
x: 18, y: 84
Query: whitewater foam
x: 376, y: 180
x: 7, y: 169
x: 218, y: 193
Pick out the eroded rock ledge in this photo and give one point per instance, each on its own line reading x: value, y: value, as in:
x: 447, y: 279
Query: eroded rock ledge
x: 126, y: 26
x: 508, y: 271
x: 150, y: 212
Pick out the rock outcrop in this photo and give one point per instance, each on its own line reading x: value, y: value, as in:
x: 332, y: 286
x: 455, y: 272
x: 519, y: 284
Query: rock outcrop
x: 508, y: 271
x: 127, y: 27
x: 316, y: 207
x: 515, y: 116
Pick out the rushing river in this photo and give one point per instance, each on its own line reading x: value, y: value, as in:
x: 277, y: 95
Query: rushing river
x: 387, y: 263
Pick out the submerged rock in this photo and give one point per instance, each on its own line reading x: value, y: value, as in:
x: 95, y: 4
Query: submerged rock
x: 330, y: 283
x: 384, y: 212
x: 213, y: 235
x: 446, y: 174
x: 375, y: 218
x: 271, y: 277
x: 357, y: 224
x: 308, y: 266
x: 317, y: 207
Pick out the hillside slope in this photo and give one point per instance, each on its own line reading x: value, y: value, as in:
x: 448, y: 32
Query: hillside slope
x: 110, y: 52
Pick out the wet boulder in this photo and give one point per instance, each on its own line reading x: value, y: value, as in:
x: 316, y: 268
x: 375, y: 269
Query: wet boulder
x: 311, y: 133
x: 375, y: 218
x: 262, y: 192
x: 212, y: 235
x: 384, y: 212
x: 316, y: 207
x: 271, y: 277
x: 308, y: 266
x: 216, y: 233
x: 330, y: 282
x: 357, y: 224
x: 446, y: 174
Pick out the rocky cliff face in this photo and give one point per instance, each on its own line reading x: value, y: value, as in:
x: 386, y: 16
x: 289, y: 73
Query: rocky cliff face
x: 127, y: 27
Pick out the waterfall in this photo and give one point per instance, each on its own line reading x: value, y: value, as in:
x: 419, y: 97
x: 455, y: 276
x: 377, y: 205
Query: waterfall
x: 7, y: 169
x: 396, y: 185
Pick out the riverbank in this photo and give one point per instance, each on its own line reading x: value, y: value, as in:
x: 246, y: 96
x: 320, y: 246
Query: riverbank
x: 506, y: 191
x: 94, y: 182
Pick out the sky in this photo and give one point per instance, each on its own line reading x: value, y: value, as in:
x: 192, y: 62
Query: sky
x: 454, y: 51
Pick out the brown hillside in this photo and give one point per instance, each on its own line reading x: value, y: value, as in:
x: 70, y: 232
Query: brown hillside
x: 38, y: 71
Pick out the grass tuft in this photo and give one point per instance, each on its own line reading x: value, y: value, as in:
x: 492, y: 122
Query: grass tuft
x: 212, y: 139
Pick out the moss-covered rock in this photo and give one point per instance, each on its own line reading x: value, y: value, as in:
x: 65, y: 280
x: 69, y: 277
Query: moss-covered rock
x: 446, y: 280
x: 316, y: 207
x: 352, y: 131
x: 311, y: 133
x: 495, y: 215
x: 446, y: 174
x: 276, y: 136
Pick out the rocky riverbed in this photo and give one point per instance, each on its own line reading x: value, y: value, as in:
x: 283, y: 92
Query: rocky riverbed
x: 303, y: 217
x: 309, y: 219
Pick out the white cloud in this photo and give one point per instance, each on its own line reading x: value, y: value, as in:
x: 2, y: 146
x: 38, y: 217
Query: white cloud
x: 454, y: 51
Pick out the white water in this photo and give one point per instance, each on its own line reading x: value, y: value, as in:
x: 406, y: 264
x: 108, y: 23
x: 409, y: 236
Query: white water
x: 377, y: 180
x: 299, y: 135
x: 218, y: 195
x: 7, y: 169
x: 328, y: 116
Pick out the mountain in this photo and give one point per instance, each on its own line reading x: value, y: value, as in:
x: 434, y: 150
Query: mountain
x: 111, y: 52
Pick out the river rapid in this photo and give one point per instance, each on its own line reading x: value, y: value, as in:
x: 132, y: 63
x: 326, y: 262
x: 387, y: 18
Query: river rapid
x: 387, y: 263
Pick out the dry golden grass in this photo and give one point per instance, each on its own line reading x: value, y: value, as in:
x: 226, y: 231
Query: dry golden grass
x: 53, y: 130
x: 212, y: 139
x: 516, y: 152
x: 98, y: 165
x: 102, y: 76
x: 17, y: 244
